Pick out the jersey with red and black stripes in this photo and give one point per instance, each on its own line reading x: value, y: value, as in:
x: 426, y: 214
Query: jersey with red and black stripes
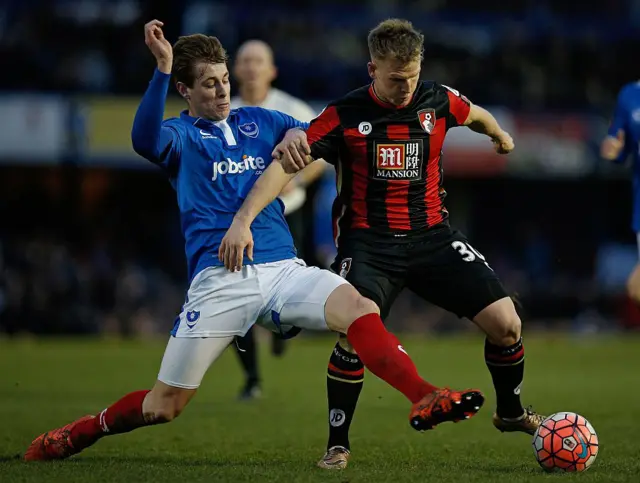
x: 388, y: 159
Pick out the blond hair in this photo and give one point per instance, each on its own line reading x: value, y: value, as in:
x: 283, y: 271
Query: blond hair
x: 395, y: 39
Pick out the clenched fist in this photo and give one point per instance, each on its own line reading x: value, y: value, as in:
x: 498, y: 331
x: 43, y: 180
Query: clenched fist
x: 503, y: 143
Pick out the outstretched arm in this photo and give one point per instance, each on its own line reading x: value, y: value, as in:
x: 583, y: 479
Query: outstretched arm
x: 150, y: 140
x: 463, y: 113
x: 614, y: 147
x: 482, y: 121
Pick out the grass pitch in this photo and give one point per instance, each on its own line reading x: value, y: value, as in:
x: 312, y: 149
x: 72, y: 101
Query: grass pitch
x: 44, y: 384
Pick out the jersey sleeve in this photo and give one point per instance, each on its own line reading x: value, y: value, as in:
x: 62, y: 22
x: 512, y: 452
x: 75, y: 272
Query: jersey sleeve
x: 619, y: 122
x: 458, y: 107
x: 170, y: 148
x: 325, y: 135
x: 284, y: 123
x: 620, y: 116
x: 151, y: 138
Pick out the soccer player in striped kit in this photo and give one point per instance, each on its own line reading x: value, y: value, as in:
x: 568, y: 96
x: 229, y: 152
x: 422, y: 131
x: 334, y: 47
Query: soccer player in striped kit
x: 390, y: 222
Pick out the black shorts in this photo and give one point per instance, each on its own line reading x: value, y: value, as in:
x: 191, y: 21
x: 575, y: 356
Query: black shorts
x: 440, y: 266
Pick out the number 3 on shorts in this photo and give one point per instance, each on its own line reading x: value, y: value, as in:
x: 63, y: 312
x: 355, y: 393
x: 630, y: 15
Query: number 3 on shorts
x: 468, y: 253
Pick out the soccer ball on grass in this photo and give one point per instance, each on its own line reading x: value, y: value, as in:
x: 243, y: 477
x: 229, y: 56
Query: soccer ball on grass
x: 565, y: 442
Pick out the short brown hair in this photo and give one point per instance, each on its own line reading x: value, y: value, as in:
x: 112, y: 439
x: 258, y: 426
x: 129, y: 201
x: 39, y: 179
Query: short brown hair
x: 396, y: 39
x: 190, y: 50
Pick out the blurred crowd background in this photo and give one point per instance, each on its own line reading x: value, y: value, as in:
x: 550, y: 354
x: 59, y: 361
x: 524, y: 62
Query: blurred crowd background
x: 90, y: 241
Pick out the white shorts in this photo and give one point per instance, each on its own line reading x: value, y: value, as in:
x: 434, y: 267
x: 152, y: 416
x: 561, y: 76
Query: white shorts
x: 221, y: 305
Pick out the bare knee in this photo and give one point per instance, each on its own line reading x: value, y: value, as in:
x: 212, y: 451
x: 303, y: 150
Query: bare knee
x: 164, y: 403
x: 500, y: 322
x: 509, y: 329
x: 344, y: 343
x: 633, y: 285
x: 634, y: 294
x: 345, y: 305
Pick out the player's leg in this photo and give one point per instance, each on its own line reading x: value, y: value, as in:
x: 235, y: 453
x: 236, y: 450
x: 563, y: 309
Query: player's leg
x: 220, y: 306
x: 459, y: 279
x: 248, y: 354
x: 345, y: 379
x: 345, y: 370
x: 633, y: 283
x: 184, y: 364
x: 317, y: 299
x: 348, y: 312
x: 504, y: 357
x: 278, y: 345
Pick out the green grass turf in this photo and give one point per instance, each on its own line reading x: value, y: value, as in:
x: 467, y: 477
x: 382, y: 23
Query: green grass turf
x: 44, y: 384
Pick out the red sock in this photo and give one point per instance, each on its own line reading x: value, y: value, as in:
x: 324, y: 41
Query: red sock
x: 121, y: 417
x: 382, y: 354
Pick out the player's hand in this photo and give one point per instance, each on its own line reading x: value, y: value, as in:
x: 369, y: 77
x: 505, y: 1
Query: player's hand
x: 158, y: 45
x: 503, y: 143
x: 231, y: 251
x: 293, y: 151
x: 612, y: 146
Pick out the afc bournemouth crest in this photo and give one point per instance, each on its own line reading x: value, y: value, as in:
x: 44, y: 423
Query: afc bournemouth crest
x: 345, y: 266
x: 427, y: 118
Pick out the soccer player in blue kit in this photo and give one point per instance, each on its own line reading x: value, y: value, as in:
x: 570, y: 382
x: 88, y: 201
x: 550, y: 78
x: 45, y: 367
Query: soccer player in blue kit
x: 213, y: 156
x: 622, y: 140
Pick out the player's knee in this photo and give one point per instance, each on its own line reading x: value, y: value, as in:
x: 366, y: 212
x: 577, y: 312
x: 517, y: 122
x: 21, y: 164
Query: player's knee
x: 363, y: 306
x: 163, y: 406
x: 633, y: 286
x: 634, y: 293
x: 501, y: 323
x: 344, y: 343
x: 163, y: 414
x: 508, y: 330
x: 344, y: 306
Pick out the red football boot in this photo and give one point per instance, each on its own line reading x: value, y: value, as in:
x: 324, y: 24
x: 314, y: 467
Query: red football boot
x: 54, y: 445
x: 445, y: 405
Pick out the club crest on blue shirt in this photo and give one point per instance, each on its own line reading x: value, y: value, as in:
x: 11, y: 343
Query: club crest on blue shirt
x: 249, y: 129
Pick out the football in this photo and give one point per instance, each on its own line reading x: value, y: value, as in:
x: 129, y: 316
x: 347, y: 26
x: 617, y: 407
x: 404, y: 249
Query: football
x: 565, y: 442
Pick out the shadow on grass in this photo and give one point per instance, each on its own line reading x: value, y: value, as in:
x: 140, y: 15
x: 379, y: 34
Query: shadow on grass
x: 15, y: 457
x: 158, y: 461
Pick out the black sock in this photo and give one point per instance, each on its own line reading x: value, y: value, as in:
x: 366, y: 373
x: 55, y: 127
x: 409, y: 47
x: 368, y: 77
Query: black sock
x: 506, y: 365
x: 277, y: 344
x: 345, y: 377
x: 248, y: 354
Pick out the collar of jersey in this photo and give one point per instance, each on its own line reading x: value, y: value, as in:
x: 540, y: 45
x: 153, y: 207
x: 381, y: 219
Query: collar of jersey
x: 385, y: 104
x: 209, y: 125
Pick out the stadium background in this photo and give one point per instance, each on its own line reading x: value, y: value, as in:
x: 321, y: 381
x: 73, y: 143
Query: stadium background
x: 90, y: 242
x: 90, y: 239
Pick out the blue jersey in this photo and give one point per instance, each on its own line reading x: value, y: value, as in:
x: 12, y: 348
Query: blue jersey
x: 627, y: 119
x: 212, y: 171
